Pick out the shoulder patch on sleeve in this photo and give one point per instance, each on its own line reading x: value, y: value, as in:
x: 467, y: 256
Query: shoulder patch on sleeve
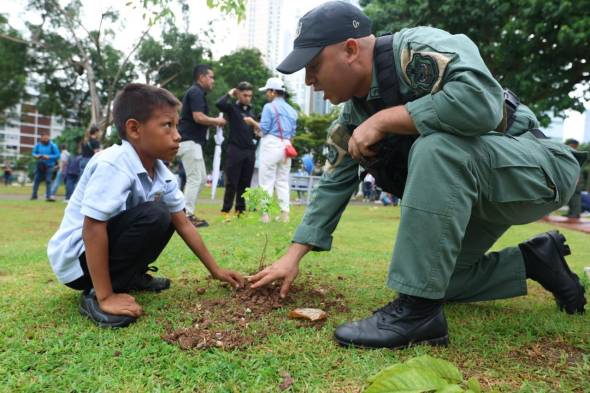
x: 336, y: 146
x: 424, y: 70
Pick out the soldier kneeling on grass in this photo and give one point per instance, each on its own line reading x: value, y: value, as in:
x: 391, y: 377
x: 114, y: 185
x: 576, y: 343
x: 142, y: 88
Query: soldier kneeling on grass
x: 426, y: 117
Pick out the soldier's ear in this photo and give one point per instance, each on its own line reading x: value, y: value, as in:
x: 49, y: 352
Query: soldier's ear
x: 352, y: 48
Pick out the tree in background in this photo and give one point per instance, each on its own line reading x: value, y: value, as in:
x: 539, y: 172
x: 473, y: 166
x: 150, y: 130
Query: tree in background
x: 80, y: 69
x: 169, y: 62
x: 312, y: 133
x: 537, y: 48
x: 13, y: 61
x: 77, y: 71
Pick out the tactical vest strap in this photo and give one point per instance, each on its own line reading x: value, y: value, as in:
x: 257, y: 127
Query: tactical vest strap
x: 511, y: 103
x: 538, y: 133
x: 386, y: 73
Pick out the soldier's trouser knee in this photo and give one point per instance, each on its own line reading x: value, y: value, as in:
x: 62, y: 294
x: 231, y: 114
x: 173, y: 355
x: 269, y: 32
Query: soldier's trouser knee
x: 462, y: 193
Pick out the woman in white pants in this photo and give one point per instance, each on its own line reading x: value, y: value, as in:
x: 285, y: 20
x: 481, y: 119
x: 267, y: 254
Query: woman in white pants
x: 277, y: 124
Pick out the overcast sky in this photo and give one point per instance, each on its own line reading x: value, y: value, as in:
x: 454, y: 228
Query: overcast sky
x: 223, y: 27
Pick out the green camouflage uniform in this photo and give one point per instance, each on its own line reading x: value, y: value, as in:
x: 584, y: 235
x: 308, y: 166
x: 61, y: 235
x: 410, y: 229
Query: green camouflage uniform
x: 466, y: 184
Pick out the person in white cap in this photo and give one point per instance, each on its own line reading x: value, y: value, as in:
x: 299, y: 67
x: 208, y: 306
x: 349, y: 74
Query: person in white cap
x: 277, y: 124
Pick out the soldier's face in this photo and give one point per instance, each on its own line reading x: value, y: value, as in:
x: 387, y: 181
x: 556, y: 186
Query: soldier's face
x: 330, y: 72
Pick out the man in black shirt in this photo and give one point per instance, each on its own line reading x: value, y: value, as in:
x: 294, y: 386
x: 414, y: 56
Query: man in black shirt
x: 194, y: 121
x: 241, y: 146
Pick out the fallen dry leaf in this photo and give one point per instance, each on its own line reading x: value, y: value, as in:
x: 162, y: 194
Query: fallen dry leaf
x: 287, y: 380
x: 312, y: 314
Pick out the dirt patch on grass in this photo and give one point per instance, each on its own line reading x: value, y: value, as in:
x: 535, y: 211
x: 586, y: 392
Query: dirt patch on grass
x: 550, y: 352
x: 246, y: 316
x: 524, y: 363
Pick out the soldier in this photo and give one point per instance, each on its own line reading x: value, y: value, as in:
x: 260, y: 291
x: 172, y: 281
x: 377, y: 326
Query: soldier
x: 420, y: 111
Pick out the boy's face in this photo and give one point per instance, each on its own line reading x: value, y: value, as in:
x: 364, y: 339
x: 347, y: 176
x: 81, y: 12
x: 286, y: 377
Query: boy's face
x: 44, y: 138
x: 156, y: 138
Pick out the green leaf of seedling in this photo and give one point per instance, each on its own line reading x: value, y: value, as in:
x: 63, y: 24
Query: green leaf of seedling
x: 442, y: 368
x: 406, y: 379
x: 473, y: 385
x: 451, y: 389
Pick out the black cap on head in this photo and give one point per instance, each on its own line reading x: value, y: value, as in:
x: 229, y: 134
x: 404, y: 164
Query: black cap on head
x: 327, y: 24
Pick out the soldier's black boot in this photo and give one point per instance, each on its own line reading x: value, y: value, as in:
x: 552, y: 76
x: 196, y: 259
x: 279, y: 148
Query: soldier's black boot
x: 545, y: 263
x: 408, y: 320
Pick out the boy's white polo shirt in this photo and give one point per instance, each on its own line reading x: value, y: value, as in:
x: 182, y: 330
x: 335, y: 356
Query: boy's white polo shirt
x: 113, y: 181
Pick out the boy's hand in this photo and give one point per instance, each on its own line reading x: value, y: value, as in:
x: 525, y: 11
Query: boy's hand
x: 248, y: 120
x: 120, y: 304
x: 234, y: 278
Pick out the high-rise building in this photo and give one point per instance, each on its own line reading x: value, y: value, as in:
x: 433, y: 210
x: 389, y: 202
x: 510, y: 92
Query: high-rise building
x: 262, y: 29
x: 270, y: 27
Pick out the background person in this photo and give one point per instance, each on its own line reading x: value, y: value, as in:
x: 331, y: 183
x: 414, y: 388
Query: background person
x: 46, y: 153
x: 241, y: 145
x: 89, y: 147
x: 277, y: 125
x: 61, y: 169
x: 194, y: 121
x: 72, y: 175
x: 7, y: 173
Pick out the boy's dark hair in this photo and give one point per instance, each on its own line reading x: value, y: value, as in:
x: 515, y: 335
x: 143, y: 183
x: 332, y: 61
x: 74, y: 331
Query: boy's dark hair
x: 93, y: 129
x: 43, y: 131
x: 572, y: 141
x: 138, y: 101
x: 243, y: 86
x: 201, y: 69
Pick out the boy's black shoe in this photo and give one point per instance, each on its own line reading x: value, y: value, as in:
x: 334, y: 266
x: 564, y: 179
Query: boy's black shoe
x: 545, y: 263
x: 197, y: 222
x: 406, y: 321
x: 90, y: 308
x: 146, y: 282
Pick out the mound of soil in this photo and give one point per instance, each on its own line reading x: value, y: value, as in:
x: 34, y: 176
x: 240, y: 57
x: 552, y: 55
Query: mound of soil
x: 246, y: 316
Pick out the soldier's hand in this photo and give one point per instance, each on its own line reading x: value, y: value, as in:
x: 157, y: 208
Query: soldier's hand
x: 221, y: 121
x: 286, y: 269
x: 363, y: 137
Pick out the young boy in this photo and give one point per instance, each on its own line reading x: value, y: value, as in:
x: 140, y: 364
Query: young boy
x: 124, y: 210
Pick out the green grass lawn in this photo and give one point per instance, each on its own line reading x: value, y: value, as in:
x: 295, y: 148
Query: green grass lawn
x: 45, y: 345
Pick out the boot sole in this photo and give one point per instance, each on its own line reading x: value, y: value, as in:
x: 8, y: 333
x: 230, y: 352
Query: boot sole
x: 121, y: 324
x: 434, y: 342
x: 576, y: 306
